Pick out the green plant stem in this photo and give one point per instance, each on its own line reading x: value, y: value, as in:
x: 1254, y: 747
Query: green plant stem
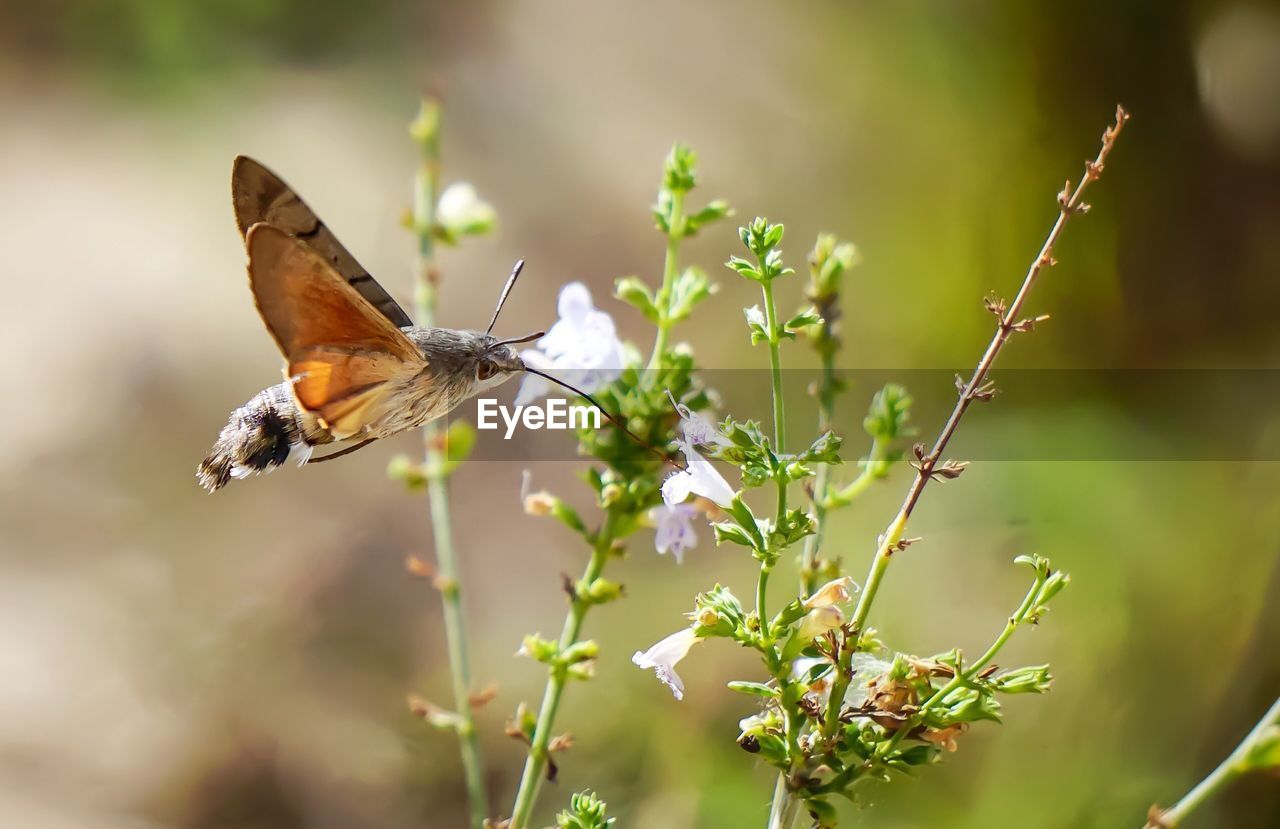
x: 670, y: 267
x: 536, y: 762
x: 785, y: 807
x: 535, y: 766
x: 821, y: 482
x: 782, y: 810
x: 762, y: 589
x: 426, y: 190
x: 775, y: 367
x: 1229, y: 769
x: 1009, y: 322
x: 873, y: 467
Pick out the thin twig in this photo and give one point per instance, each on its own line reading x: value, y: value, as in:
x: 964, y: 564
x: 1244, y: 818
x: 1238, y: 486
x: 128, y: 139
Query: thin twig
x: 1228, y: 770
x: 929, y: 465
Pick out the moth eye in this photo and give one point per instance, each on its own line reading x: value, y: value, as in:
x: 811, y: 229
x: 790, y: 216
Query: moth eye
x: 486, y: 371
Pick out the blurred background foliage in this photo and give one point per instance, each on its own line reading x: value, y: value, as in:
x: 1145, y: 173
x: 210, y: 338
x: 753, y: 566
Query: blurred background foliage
x: 171, y: 660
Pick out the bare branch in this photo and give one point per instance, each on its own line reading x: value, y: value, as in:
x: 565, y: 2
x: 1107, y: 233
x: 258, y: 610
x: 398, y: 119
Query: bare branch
x: 927, y: 464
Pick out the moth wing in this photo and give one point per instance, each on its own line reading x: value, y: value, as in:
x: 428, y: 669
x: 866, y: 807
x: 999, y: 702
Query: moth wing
x: 259, y: 195
x: 343, y: 356
x: 345, y: 388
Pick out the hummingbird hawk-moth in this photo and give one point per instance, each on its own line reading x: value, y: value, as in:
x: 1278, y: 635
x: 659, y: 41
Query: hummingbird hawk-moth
x: 356, y: 367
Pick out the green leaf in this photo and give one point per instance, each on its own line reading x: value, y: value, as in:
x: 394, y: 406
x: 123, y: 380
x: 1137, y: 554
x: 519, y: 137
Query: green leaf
x: 713, y: 212
x: 580, y: 652
x: 772, y: 236
x: 754, y: 689
x: 828, y: 261
x: 803, y: 320
x: 539, y: 649
x: 789, y: 615
x: 823, y: 450
x: 680, y: 169
x: 743, y: 268
x: 887, y: 417
x: 795, y: 525
x: 690, y: 288
x: 586, y: 811
x: 732, y: 533
x: 920, y: 755
x: 633, y: 291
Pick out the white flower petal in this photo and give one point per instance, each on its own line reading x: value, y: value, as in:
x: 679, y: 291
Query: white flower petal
x: 663, y: 656
x: 676, y: 488
x: 675, y: 532
x: 456, y: 203
x: 698, y: 477
x: 574, y: 303
x: 754, y: 315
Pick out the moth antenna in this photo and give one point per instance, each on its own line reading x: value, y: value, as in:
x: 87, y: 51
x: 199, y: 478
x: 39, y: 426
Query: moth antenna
x: 506, y: 289
x: 347, y: 451
x: 665, y: 458
x: 527, y: 338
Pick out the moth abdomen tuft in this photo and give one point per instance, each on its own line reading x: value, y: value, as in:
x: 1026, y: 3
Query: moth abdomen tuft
x: 259, y: 436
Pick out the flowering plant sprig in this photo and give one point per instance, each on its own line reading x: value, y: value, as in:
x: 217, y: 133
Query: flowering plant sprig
x: 626, y: 478
x: 838, y: 706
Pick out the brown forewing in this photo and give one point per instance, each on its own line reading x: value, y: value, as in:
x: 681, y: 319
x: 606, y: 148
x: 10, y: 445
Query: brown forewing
x: 259, y: 195
x: 342, y: 354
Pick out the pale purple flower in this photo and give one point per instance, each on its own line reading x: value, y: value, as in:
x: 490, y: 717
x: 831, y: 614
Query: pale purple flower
x: 663, y: 656
x: 582, y: 348
x: 675, y: 532
x: 698, y: 478
x: 697, y: 430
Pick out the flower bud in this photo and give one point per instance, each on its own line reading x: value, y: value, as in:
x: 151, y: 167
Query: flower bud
x: 580, y: 652
x: 1032, y: 680
x: 537, y: 648
x: 610, y: 494
x: 539, y: 504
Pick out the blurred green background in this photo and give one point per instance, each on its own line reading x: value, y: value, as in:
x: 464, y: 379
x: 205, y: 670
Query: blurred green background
x: 168, y: 659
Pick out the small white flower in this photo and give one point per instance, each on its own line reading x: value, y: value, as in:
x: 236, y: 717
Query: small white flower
x: 462, y: 211
x: 836, y: 592
x: 819, y: 621
x: 675, y: 532
x: 582, y: 348
x: 754, y: 315
x: 699, y: 478
x: 662, y: 659
x: 697, y: 429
